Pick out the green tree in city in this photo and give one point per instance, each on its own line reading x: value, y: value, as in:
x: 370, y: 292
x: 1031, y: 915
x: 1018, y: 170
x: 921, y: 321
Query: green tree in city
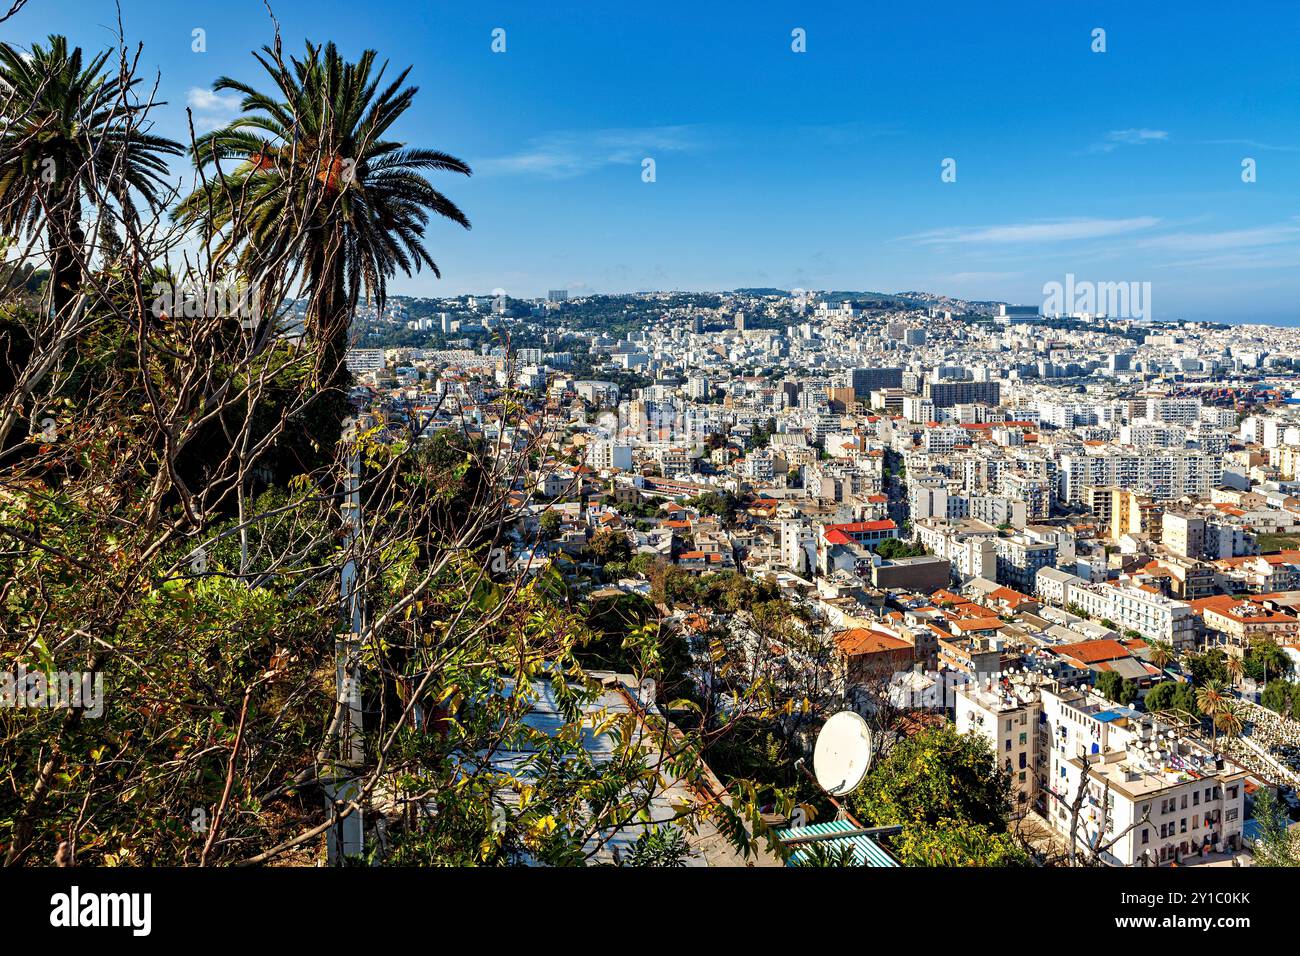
x: 1265, y: 660
x: 310, y: 177
x: 893, y: 548
x: 1280, y: 696
x: 1230, y: 719
x: 609, y: 545
x: 663, y: 846
x: 1213, y: 700
x: 1161, y: 653
x: 1206, y: 667
x: 1113, y: 687
x: 937, y: 774
x: 720, y: 504
x: 549, y: 523
x: 958, y: 843
x: 1172, y: 696
x: 66, y: 130
x: 1276, y: 844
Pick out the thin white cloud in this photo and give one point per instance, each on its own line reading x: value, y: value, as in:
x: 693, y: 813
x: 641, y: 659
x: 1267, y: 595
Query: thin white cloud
x: 1068, y: 230
x: 565, y: 155
x: 1129, y: 137
x: 211, y: 109
x: 1257, y: 237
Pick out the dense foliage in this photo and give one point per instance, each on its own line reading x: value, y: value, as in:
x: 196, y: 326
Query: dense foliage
x: 950, y: 797
x: 300, y: 607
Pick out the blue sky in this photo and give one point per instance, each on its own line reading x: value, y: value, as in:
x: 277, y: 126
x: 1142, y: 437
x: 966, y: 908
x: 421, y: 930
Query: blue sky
x: 818, y: 169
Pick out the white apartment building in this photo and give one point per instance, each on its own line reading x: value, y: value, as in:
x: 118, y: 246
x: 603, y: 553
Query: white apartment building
x: 598, y: 393
x: 997, y: 510
x: 941, y: 439
x: 697, y: 388
x: 798, y: 546
x: 1006, y: 714
x: 1034, y: 492
x: 364, y: 360
x: 759, y: 465
x: 1154, y: 616
x: 969, y: 546
x: 934, y: 502
x: 918, y: 409
x: 1051, y: 585
x: 1151, y: 796
x: 1164, y: 474
x: 1175, y: 411
x: 1153, y: 435
x: 605, y: 455
x: 1167, y: 796
x: 1225, y: 418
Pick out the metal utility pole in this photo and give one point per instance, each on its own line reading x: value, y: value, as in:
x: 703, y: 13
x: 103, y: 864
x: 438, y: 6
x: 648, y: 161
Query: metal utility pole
x: 347, y: 836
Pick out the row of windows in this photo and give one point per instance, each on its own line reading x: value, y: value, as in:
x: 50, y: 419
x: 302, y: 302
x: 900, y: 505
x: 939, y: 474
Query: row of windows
x: 1172, y: 804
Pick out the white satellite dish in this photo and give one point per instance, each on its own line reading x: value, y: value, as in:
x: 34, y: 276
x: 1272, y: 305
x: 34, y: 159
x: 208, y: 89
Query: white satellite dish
x: 842, y: 755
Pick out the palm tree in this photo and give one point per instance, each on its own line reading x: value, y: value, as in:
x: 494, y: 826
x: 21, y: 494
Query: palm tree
x: 1212, y: 699
x: 1161, y: 653
x: 308, y: 185
x: 1235, y: 667
x: 1231, y: 718
x: 68, y: 136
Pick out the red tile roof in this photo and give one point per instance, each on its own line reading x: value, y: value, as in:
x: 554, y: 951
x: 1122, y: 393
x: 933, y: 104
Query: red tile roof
x: 1093, y: 652
x: 861, y: 640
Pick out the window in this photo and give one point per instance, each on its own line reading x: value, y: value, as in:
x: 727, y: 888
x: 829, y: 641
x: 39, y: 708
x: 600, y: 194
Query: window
x: 1231, y: 814
x: 1024, y: 739
x: 1023, y: 764
x: 1196, y: 798
x: 1184, y: 805
x: 1146, y: 836
x: 1008, y: 744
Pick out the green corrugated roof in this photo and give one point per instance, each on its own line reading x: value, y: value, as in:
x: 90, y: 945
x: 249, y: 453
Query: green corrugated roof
x: 866, y: 851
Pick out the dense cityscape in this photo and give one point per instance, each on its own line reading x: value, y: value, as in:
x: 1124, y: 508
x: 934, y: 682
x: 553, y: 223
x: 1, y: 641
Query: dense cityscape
x: 1076, y: 537
x: 496, y: 460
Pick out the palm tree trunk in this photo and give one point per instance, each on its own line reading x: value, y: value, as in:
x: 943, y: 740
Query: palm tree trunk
x: 67, y: 242
x: 328, y: 323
